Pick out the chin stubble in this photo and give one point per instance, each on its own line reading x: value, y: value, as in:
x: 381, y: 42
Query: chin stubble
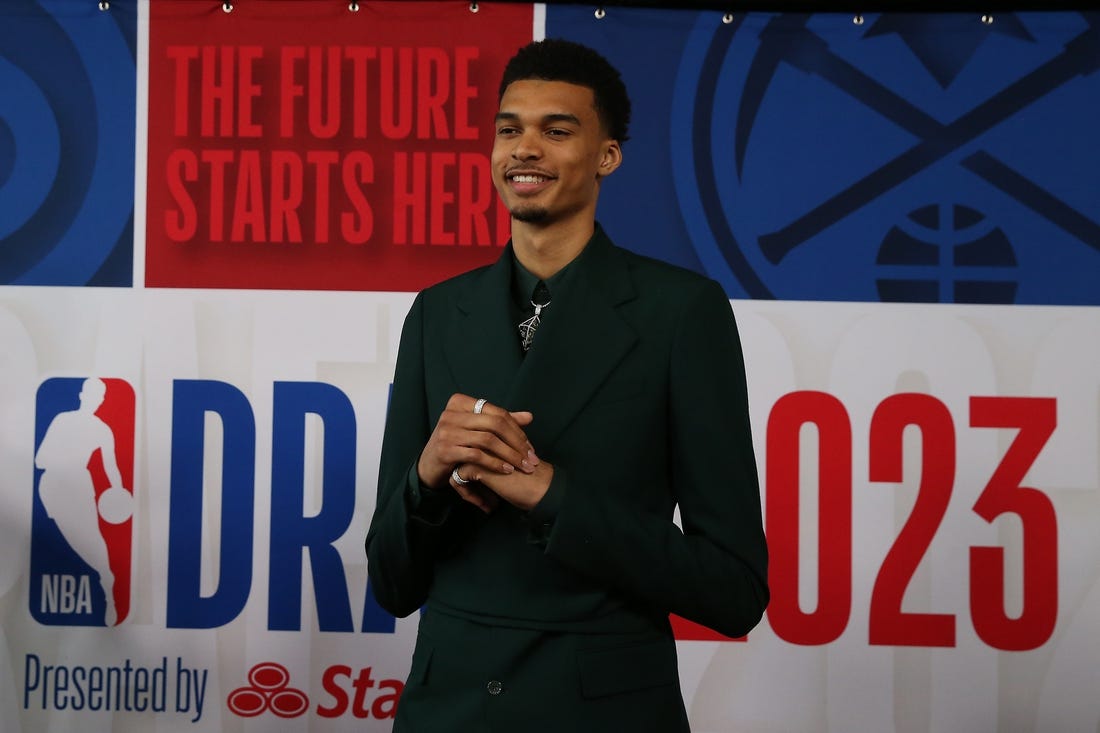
x: 530, y: 214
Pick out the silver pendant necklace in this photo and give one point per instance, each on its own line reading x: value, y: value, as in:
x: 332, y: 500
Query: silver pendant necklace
x: 528, y: 327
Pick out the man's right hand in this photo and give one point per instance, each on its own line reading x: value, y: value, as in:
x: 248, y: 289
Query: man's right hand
x: 493, y: 440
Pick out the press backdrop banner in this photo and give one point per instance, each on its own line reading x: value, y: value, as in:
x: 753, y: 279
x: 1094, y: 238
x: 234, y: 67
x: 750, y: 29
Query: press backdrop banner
x: 213, y: 219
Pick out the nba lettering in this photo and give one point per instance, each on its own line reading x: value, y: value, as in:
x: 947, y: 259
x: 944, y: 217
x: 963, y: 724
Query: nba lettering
x: 81, y: 535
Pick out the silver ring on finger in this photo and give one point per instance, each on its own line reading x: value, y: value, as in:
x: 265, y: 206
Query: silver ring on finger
x: 479, y: 406
x: 458, y: 479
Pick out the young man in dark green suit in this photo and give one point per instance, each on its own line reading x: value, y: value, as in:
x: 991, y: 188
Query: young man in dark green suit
x: 549, y: 412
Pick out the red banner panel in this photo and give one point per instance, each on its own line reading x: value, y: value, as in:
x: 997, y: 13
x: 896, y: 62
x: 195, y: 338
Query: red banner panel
x: 306, y: 145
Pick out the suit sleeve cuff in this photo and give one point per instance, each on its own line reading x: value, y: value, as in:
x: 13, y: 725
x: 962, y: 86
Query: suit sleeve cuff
x: 540, y: 520
x: 426, y: 505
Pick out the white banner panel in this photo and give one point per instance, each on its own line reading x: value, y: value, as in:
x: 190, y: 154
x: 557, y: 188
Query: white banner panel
x: 887, y: 436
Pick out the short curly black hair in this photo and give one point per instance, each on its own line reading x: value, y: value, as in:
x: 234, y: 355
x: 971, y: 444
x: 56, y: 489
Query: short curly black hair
x: 555, y: 59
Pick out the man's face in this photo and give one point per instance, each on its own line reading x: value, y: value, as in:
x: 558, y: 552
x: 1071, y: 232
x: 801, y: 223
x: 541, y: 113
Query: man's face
x: 550, y: 151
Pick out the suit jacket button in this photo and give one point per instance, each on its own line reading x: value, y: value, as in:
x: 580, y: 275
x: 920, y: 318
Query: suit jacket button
x: 495, y: 687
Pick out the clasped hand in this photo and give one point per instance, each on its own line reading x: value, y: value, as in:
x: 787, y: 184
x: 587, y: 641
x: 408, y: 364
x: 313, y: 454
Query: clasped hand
x: 490, y: 451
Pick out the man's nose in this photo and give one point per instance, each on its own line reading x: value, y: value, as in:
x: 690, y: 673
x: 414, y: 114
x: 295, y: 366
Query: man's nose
x: 528, y: 146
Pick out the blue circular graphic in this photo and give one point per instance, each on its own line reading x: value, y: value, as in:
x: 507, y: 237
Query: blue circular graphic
x: 29, y: 140
x: 71, y: 77
x: 7, y: 152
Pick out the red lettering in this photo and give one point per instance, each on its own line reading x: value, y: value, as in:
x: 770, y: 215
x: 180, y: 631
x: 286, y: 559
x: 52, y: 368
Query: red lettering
x: 182, y: 56
x: 888, y: 623
x: 1035, y: 419
x: 362, y: 683
x: 441, y: 198
x: 834, y: 568
x: 357, y: 226
x: 432, y: 73
x: 218, y: 160
x: 289, y: 89
x: 412, y: 90
x: 424, y: 191
x: 324, y: 102
x: 286, y: 195
x: 180, y: 225
x: 222, y: 71
x: 249, y: 91
x: 465, y: 92
x: 216, y: 91
x: 385, y: 706
x: 396, y: 92
x: 322, y: 162
x: 331, y: 685
x: 475, y: 194
x: 410, y: 189
x: 248, y: 204
x: 359, y: 56
x: 244, y: 206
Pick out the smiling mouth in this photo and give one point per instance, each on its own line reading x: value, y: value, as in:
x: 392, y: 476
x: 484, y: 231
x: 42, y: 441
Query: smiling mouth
x: 528, y: 177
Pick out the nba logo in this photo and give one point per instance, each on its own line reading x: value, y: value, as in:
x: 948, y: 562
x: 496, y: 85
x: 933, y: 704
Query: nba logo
x: 81, y: 528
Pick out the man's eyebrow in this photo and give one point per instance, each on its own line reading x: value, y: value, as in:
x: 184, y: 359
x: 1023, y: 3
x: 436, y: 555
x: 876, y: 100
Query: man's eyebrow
x: 553, y: 117
x: 562, y: 117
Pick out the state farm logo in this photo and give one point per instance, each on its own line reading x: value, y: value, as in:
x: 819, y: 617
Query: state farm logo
x: 269, y: 690
x: 344, y: 691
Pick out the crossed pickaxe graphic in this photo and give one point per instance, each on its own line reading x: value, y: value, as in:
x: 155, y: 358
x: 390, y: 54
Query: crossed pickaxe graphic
x: 810, y: 53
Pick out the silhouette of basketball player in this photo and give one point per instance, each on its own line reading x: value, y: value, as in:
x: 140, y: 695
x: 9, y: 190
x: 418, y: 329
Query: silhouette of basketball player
x: 66, y: 488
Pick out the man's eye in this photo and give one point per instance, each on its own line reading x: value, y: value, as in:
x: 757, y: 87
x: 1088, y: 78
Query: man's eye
x: 506, y: 131
x: 557, y: 133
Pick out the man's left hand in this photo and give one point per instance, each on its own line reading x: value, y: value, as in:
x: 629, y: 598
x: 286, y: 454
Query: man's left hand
x: 521, y: 490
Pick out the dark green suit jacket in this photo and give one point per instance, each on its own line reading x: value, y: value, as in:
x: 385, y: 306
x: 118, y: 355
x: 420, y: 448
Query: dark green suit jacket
x: 637, y: 386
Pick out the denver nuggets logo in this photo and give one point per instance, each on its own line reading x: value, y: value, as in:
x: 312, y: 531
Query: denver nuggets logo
x: 81, y: 534
x: 927, y: 158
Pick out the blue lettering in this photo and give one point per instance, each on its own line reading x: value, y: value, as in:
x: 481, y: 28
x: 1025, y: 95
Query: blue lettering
x: 191, y: 401
x: 32, y: 672
x: 291, y: 531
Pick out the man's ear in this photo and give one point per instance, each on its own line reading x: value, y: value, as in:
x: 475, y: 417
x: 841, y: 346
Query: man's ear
x: 612, y: 158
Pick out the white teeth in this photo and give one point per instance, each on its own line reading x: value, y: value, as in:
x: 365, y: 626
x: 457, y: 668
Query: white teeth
x: 528, y: 179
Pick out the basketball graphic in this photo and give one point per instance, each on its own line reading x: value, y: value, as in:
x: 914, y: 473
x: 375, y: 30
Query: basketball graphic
x: 946, y: 254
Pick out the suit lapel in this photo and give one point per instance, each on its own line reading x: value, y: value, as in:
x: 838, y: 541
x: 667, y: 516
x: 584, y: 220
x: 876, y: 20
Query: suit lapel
x: 579, y: 343
x: 482, y: 346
